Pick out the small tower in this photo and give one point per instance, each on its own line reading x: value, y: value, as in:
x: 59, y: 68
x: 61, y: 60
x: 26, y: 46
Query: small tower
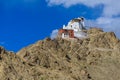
x: 76, y: 24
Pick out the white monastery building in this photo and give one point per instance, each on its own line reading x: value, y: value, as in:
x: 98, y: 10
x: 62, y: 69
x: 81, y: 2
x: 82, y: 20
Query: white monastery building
x: 74, y: 29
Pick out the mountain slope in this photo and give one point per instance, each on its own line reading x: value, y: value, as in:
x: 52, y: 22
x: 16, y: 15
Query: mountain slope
x: 93, y: 58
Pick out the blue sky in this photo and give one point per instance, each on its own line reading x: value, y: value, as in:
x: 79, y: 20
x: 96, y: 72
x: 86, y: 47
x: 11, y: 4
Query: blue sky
x: 24, y: 22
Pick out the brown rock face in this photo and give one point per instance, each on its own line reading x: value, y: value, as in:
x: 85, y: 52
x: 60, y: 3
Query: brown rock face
x: 93, y: 58
x: 98, y: 38
x: 13, y: 68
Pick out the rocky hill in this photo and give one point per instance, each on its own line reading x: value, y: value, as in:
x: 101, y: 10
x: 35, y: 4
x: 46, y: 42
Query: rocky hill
x: 96, y: 57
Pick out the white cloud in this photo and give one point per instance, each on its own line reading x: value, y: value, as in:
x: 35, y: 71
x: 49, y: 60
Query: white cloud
x: 107, y: 21
x: 111, y: 7
x: 54, y: 34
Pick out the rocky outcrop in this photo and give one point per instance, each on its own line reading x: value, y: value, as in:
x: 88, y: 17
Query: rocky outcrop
x: 12, y: 67
x: 93, y: 58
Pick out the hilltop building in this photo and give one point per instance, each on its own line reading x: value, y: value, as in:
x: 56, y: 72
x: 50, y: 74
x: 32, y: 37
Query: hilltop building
x: 74, y: 29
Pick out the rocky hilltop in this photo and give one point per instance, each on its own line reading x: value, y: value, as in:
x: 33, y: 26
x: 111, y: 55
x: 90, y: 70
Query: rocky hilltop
x: 96, y: 57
